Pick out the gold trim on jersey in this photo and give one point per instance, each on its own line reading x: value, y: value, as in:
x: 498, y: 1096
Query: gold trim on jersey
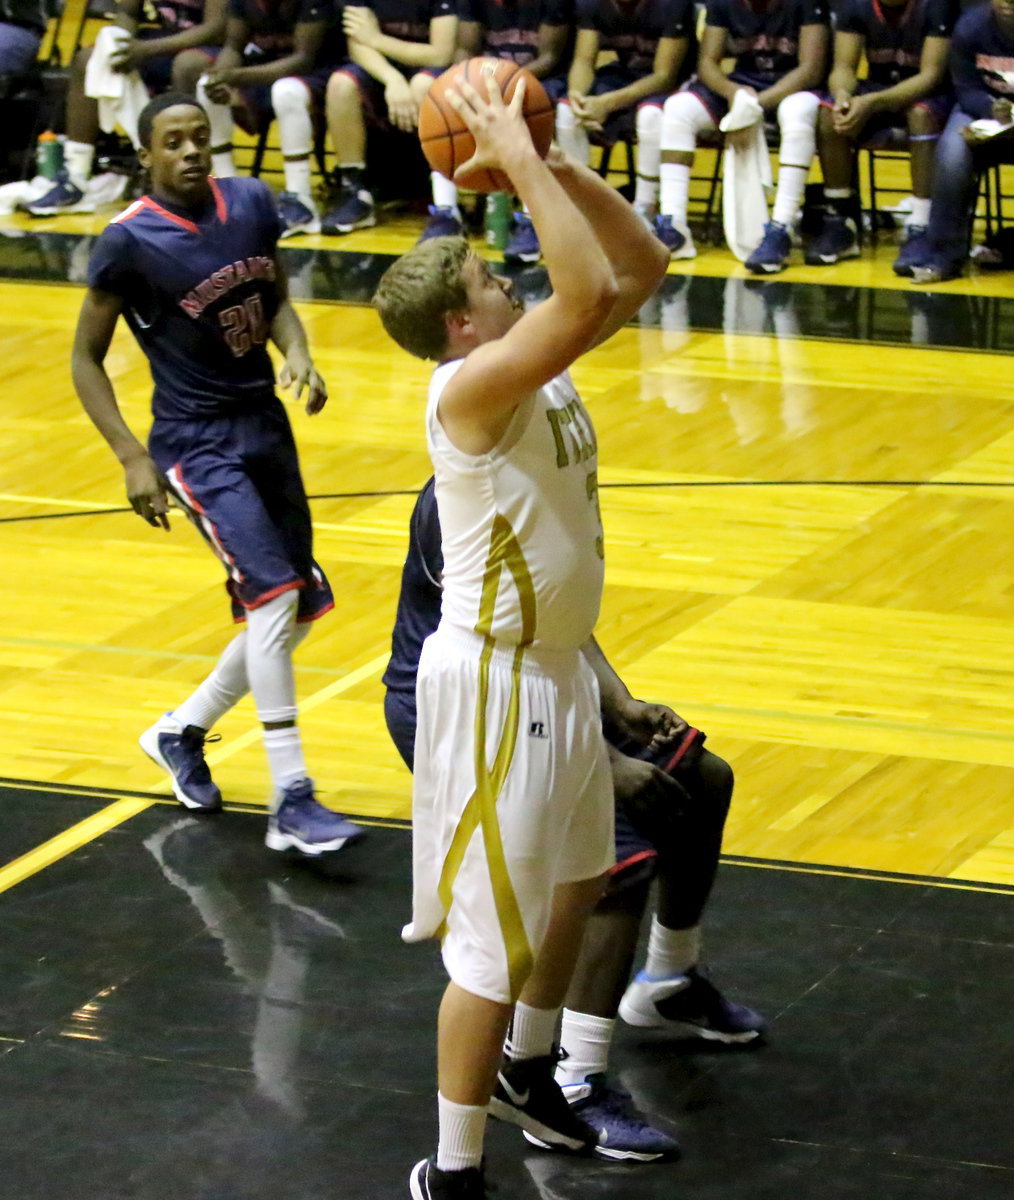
x: 505, y: 551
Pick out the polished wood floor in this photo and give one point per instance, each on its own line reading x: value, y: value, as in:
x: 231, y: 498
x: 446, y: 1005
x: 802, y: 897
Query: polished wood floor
x: 808, y: 548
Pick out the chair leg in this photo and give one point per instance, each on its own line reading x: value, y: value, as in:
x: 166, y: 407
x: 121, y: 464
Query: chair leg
x: 871, y: 168
x: 258, y: 158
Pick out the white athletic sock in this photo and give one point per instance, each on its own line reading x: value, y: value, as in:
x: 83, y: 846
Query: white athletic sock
x: 671, y: 951
x: 585, y: 1039
x: 224, y: 687
x: 920, y: 211
x: 675, y: 192
x: 298, y: 175
x: 285, y: 755
x: 78, y: 158
x: 462, y: 1129
x: 445, y: 194
x: 649, y: 131
x: 572, y: 138
x: 789, y: 196
x: 220, y: 120
x: 532, y: 1032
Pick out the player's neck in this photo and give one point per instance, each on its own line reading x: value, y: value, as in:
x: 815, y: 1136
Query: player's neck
x: 193, y: 207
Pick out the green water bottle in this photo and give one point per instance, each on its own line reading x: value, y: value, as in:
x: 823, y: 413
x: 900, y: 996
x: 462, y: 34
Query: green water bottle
x: 48, y: 154
x: 499, y: 211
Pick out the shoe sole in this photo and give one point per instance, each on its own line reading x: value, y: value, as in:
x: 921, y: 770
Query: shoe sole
x: 819, y: 260
x: 276, y: 840
x: 522, y: 258
x: 312, y: 227
x: 415, y: 1184
x: 551, y: 1139
x: 349, y: 228
x: 148, y: 741
x: 56, y: 212
x: 612, y: 1155
x: 765, y: 268
x: 642, y: 1020
x: 684, y: 252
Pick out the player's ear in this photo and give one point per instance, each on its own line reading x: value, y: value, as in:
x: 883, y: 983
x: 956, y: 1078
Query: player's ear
x: 144, y: 157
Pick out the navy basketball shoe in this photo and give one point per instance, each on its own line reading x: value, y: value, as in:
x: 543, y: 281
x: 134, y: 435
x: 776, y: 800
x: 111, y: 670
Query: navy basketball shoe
x: 691, y: 1004
x: 622, y: 1132
x: 298, y: 821
x: 179, y: 752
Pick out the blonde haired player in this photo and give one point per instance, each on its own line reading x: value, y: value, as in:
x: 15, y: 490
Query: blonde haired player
x: 513, y: 806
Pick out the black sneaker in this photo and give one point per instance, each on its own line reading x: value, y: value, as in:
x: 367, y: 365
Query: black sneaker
x: 428, y: 1182
x: 838, y: 239
x: 528, y: 1095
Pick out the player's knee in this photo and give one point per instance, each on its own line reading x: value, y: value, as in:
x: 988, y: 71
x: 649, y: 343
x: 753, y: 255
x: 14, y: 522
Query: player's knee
x: 289, y: 95
x: 680, y: 122
x: 717, y: 779
x: 188, y: 67
x: 798, y: 111
x: 920, y: 121
x: 565, y: 116
x: 342, y: 90
x: 649, y: 125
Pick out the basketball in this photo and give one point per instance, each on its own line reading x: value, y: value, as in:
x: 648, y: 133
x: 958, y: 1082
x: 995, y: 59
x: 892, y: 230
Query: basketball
x: 445, y: 138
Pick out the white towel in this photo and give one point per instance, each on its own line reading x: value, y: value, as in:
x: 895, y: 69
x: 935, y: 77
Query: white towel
x: 121, y: 97
x: 746, y: 173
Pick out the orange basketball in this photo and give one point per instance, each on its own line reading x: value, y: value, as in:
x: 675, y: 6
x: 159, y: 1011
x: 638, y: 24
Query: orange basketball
x: 445, y: 138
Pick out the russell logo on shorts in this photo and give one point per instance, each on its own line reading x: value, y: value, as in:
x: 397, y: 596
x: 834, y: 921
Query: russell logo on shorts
x: 537, y: 729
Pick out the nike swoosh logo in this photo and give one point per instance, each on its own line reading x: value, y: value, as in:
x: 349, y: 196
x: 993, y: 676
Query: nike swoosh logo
x: 518, y: 1098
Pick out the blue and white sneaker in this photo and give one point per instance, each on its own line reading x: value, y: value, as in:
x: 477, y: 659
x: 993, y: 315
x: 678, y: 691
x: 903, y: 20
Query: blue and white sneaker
x: 691, y: 1004
x: 523, y: 245
x: 354, y: 210
x: 179, y: 752
x: 297, y: 215
x: 623, y: 1132
x: 678, y: 242
x: 298, y: 821
x: 63, y: 197
x: 838, y: 239
x: 914, y: 250
x: 443, y: 222
x: 773, y: 252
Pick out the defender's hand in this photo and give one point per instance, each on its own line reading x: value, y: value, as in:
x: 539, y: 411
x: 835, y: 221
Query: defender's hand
x: 147, y: 491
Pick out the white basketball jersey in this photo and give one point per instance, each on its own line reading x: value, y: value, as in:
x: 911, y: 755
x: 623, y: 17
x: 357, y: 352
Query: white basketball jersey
x: 520, y: 526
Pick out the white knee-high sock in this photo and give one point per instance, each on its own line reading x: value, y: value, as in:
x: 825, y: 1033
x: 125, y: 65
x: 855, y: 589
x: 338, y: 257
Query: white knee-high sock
x: 797, y: 120
x: 226, y: 685
x: 445, y: 194
x: 649, y: 130
x: 684, y: 118
x: 290, y: 98
x: 572, y: 137
x: 220, y: 120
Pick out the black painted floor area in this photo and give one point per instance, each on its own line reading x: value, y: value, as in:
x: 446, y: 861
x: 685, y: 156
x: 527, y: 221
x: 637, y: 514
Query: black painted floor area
x: 184, y: 1016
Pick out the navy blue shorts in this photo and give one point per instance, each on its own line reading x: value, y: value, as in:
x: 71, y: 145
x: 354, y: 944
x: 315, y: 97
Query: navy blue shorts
x: 157, y: 72
x: 238, y: 479
x: 717, y: 105
x: 882, y: 124
x: 372, y: 95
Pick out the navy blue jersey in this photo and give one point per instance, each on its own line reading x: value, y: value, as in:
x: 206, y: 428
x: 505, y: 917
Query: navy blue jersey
x: 419, y: 599
x: 511, y: 29
x: 893, y: 36
x: 979, y: 51
x: 764, y: 40
x: 409, y: 20
x: 633, y: 31
x: 271, y: 24
x: 199, y: 294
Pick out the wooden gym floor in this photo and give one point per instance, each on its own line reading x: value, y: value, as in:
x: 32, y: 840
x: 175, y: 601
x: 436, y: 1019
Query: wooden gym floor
x: 806, y: 491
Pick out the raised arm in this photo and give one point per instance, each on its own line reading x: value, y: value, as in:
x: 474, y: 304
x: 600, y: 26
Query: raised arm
x: 145, y: 488
x: 498, y: 374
